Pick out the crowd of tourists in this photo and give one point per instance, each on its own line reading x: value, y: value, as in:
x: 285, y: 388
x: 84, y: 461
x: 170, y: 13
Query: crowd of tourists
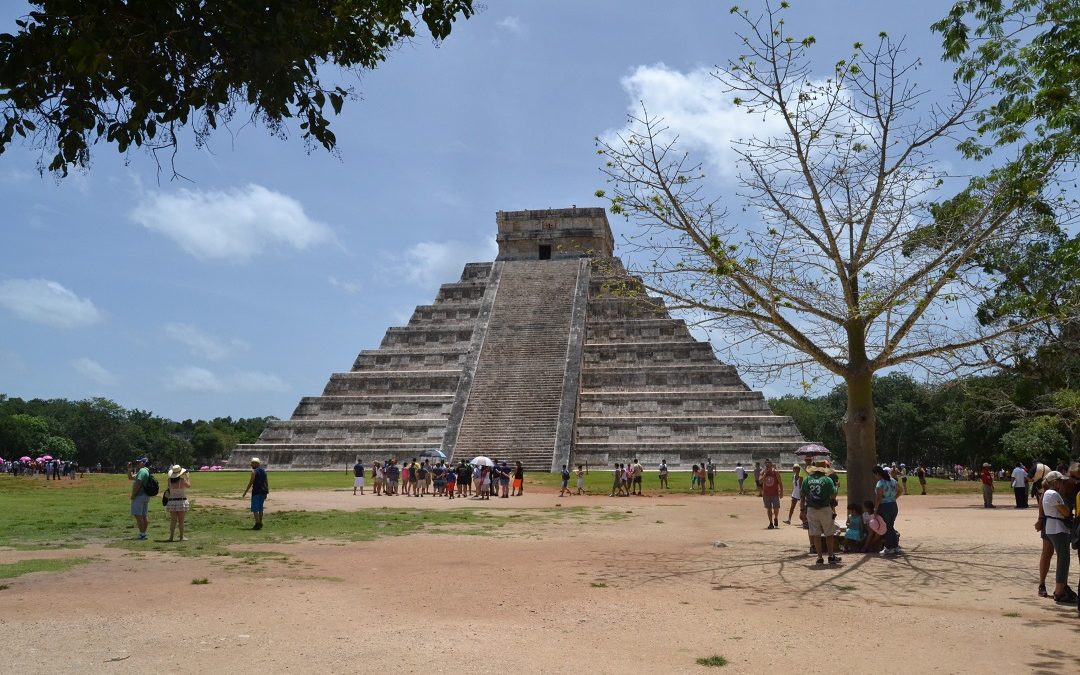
x: 51, y: 469
x: 423, y: 477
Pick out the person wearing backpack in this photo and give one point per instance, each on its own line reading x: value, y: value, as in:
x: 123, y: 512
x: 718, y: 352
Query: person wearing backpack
x: 140, y: 477
x: 818, y: 490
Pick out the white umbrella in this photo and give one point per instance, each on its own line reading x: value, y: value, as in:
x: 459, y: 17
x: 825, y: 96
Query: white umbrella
x: 482, y: 461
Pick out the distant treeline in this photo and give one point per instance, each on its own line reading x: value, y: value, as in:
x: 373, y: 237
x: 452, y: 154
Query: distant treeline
x: 98, y: 430
x: 999, y: 419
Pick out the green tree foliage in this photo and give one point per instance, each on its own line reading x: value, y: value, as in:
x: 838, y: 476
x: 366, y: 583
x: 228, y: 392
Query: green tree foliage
x: 99, y: 430
x: 1037, y: 439
x: 133, y: 73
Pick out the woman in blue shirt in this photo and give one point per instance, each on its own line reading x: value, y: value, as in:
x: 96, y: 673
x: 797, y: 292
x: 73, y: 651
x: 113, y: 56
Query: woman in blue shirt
x: 885, y: 493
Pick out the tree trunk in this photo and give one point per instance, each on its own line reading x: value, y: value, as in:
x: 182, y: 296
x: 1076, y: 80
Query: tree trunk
x: 859, y: 426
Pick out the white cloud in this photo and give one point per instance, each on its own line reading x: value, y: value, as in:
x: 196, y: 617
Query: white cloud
x: 350, y: 287
x: 696, y: 108
x: 430, y: 263
x: 194, y: 378
x: 92, y: 370
x: 511, y: 24
x: 233, y: 225
x: 200, y: 344
x: 47, y: 302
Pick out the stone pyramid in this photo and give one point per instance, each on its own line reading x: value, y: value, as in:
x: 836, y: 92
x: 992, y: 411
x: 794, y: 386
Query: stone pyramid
x: 535, y: 357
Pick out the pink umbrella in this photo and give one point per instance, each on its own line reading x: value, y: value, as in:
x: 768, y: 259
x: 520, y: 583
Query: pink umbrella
x: 204, y: 468
x: 215, y: 468
x: 47, y: 457
x: 24, y: 459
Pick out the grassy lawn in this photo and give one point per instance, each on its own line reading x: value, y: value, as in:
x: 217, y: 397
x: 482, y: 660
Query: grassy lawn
x: 12, y: 570
x: 36, y: 514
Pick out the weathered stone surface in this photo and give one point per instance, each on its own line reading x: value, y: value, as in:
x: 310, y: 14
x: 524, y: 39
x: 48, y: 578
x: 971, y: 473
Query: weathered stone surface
x: 544, y: 361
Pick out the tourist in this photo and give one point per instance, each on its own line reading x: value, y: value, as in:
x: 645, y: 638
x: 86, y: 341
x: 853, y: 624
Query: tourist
x: 465, y: 479
x: 1057, y: 514
x: 616, y: 481
x: 438, y: 479
x: 140, y: 500
x: 259, y: 485
x: 177, y: 503
x: 886, y: 491
x: 740, y: 475
x: 875, y: 528
x: 796, y: 491
x: 903, y: 476
x: 565, y: 489
x: 377, y: 477
x: 920, y: 472
x: 451, y: 481
x: 853, y: 534
x: 987, y: 478
x: 757, y: 477
x: 427, y: 476
x: 818, y: 491
x: 358, y: 477
x: 519, y: 480
x: 637, y: 471
x: 710, y: 474
x: 1047, y: 552
x: 484, y: 489
x: 664, y: 475
x: 772, y: 491
x: 693, y: 477
x: 580, y: 480
x: 414, y: 478
x: 504, y: 479
x: 1019, y: 484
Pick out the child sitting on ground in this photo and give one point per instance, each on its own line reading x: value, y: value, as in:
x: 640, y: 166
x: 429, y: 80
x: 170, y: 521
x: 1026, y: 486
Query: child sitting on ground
x: 853, y: 535
x: 875, y: 528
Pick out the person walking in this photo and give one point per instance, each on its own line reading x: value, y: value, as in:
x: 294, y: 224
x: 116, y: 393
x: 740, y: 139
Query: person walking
x: 710, y: 474
x: 885, y: 493
x: 636, y: 472
x: 564, y: 491
x: 740, y: 475
x: 177, y: 503
x: 1019, y: 485
x: 920, y: 472
x: 757, y: 477
x: 664, y: 475
x: 140, y: 500
x: 580, y: 479
x: 259, y: 485
x: 987, y: 478
x: 796, y: 491
x: 772, y: 491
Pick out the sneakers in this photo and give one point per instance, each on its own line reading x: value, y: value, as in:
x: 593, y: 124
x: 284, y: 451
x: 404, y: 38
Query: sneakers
x: 833, y: 560
x: 821, y: 561
x: 141, y: 537
x: 1066, y: 598
x: 890, y: 551
x: 257, y: 526
x: 787, y: 522
x: 771, y: 526
x: 1042, y: 591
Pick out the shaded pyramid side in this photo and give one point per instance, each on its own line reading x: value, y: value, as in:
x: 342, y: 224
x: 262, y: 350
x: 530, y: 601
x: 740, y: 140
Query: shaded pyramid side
x: 394, y: 401
x: 650, y: 390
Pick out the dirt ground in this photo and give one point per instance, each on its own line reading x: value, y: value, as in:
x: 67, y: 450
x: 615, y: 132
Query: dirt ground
x: 674, y: 579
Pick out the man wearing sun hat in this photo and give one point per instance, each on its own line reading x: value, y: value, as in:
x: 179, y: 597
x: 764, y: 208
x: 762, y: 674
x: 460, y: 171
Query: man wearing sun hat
x: 260, y: 487
x: 818, y: 489
x: 140, y: 501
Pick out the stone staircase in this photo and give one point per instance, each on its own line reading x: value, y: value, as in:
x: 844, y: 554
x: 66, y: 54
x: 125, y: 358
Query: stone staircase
x: 514, y: 406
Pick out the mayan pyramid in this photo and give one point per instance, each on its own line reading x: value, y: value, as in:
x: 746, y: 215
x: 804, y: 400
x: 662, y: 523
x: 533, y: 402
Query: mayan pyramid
x: 543, y: 356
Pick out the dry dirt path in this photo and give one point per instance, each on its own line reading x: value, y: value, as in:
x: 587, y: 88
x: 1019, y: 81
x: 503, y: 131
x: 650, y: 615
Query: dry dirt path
x: 650, y: 592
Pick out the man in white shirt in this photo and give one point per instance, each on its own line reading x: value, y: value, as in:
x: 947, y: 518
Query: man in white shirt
x: 1019, y: 484
x: 740, y: 475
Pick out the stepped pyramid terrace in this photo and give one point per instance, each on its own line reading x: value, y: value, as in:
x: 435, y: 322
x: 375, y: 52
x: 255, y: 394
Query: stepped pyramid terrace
x: 535, y: 357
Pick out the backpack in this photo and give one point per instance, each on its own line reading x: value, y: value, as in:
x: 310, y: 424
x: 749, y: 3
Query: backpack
x: 150, y: 486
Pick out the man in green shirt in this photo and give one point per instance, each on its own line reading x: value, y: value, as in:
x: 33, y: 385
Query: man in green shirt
x: 140, y: 501
x: 818, y: 490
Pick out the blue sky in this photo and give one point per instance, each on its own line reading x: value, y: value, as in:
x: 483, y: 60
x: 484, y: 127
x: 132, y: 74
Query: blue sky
x: 241, y: 290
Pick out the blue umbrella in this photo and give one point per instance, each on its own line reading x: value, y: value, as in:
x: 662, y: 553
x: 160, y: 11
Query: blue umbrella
x: 433, y: 453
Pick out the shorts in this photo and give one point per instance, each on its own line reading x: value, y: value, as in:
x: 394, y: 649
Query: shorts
x: 177, y: 505
x: 820, y: 520
x: 504, y: 481
x: 794, y: 499
x: 257, y: 503
x: 140, y: 505
x: 564, y: 484
x: 637, y: 480
x: 359, y: 482
x: 772, y: 502
x: 517, y: 483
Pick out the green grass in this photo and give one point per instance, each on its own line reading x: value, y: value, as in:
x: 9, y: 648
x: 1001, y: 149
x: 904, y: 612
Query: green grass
x: 598, y: 584
x: 200, y: 582
x: 712, y: 661
x: 35, y: 514
x: 17, y: 569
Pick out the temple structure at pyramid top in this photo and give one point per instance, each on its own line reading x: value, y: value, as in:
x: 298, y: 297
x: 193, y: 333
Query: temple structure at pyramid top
x: 535, y: 357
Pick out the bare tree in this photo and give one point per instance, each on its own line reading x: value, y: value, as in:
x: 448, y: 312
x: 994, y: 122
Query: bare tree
x: 844, y: 261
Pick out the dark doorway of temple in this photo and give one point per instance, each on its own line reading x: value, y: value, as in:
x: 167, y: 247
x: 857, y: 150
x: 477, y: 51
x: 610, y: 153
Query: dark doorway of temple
x: 545, y: 251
